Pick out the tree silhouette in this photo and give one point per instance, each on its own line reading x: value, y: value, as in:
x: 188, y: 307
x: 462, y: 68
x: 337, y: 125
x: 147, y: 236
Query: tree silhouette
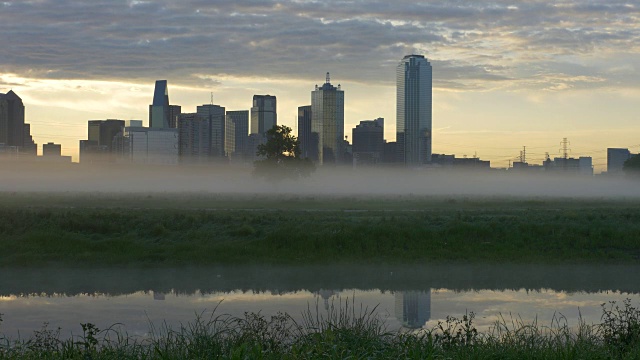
x: 281, y: 154
x: 632, y: 165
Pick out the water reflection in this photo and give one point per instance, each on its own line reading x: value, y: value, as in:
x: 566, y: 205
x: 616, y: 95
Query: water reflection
x: 413, y: 308
x: 411, y: 298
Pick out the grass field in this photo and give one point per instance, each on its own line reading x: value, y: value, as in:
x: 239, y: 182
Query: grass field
x: 187, y: 229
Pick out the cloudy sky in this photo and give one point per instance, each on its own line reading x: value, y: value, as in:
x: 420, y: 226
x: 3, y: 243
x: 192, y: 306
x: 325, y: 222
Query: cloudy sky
x: 507, y: 74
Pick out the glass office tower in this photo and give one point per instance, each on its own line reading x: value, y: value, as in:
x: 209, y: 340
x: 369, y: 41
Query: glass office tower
x: 327, y: 122
x: 413, y: 111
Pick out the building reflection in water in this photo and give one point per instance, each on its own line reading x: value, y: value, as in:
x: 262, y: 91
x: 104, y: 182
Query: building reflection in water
x: 158, y: 295
x: 413, y: 308
x: 326, y: 295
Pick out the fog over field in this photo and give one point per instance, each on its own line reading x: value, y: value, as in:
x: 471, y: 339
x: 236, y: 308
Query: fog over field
x: 325, y: 181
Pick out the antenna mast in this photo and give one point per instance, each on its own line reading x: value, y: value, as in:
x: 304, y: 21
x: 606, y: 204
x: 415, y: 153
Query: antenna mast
x: 328, y: 78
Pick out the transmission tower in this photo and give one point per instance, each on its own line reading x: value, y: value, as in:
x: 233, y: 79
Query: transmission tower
x: 523, y: 155
x: 565, y: 148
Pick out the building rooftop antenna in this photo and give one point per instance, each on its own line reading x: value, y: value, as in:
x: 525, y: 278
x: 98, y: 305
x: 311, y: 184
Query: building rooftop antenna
x: 212, y: 98
x: 328, y: 78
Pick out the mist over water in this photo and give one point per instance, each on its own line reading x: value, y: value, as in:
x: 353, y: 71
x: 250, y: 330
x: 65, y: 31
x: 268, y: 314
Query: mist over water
x: 326, y: 181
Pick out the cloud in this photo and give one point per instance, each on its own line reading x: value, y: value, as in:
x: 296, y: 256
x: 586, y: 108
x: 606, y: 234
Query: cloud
x: 473, y: 45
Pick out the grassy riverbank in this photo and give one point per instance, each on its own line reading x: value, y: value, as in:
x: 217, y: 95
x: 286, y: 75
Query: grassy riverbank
x: 155, y: 230
x: 345, y: 332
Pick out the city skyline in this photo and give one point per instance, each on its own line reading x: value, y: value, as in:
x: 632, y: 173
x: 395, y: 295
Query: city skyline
x: 505, y: 75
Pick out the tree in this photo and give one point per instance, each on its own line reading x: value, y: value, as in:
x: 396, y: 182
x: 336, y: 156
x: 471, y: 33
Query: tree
x: 281, y: 154
x: 632, y: 165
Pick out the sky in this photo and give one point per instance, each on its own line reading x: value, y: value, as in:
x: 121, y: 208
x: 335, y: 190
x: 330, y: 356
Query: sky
x: 507, y: 74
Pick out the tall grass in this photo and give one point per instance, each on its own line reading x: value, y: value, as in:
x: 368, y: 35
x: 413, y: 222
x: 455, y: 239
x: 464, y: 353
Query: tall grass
x: 345, y: 332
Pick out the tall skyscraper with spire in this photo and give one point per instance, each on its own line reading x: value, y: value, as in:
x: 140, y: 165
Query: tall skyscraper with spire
x: 414, y: 110
x: 327, y: 122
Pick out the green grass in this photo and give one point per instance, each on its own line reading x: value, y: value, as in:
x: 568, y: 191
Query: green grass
x: 345, y: 332
x: 336, y: 230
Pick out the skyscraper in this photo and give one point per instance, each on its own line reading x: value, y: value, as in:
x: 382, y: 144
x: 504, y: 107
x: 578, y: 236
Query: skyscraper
x: 327, y: 122
x: 216, y: 116
x: 308, y: 147
x: 616, y: 158
x: 99, y: 143
x: 194, y: 134
x: 237, y: 132
x: 368, y: 142
x: 174, y: 111
x: 263, y: 114
x: 11, y: 119
x: 143, y: 145
x: 413, y: 111
x: 159, y: 112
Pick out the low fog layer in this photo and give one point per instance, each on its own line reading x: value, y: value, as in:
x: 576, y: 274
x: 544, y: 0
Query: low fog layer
x: 325, y: 181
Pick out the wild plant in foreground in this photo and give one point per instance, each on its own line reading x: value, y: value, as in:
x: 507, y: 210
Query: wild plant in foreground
x: 620, y: 327
x: 344, y: 331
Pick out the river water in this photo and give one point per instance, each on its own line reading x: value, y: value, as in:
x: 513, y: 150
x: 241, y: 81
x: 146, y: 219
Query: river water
x: 405, y: 296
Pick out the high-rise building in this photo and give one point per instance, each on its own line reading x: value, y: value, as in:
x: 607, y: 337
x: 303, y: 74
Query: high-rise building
x: 160, y: 112
x: 29, y: 146
x: 143, y: 145
x: 264, y: 114
x: 174, y: 111
x: 100, y: 137
x: 308, y: 143
x: 368, y: 142
x: 215, y: 115
x: 414, y: 110
x: 194, y: 134
x: 11, y: 119
x: 237, y: 132
x: 615, y: 159
x: 327, y: 122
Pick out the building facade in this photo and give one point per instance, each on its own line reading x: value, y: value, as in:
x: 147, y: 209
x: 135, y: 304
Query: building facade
x: 308, y: 144
x: 100, y: 136
x: 616, y: 158
x: 194, y: 136
x: 264, y: 114
x: 414, y: 110
x: 51, y: 149
x: 215, y: 115
x: 237, y: 133
x: 159, y: 112
x: 327, y: 122
x: 368, y: 142
x: 174, y: 111
x: 11, y: 120
x: 143, y: 145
